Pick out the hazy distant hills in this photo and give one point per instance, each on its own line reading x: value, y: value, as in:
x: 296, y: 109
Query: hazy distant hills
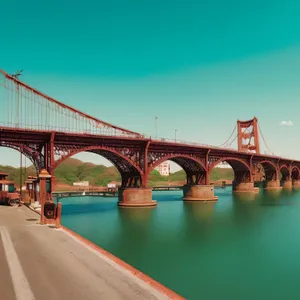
x: 72, y: 170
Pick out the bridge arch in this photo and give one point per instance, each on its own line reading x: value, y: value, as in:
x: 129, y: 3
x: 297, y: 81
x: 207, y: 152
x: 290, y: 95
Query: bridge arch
x: 130, y: 172
x: 270, y: 169
x: 36, y: 158
x: 242, y: 171
x: 285, y: 172
x: 194, y: 168
x: 295, y: 174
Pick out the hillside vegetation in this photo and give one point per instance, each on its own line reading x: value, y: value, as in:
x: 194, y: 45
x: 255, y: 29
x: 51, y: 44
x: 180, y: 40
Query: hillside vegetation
x: 72, y: 170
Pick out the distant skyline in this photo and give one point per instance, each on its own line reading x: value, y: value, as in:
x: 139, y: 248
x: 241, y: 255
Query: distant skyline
x: 196, y: 65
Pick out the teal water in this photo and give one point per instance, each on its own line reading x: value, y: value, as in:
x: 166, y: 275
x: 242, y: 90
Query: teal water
x: 244, y: 247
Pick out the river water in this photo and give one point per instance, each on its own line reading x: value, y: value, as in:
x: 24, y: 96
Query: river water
x: 244, y: 247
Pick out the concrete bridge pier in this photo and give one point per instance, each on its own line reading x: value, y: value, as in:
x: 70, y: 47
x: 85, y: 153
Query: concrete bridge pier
x: 287, y: 184
x: 272, y: 185
x: 244, y: 187
x: 199, y: 193
x: 135, y: 197
x: 296, y: 184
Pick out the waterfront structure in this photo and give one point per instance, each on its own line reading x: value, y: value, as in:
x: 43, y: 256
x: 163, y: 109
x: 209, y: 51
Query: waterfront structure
x: 81, y: 183
x: 164, y: 168
x: 51, y: 132
x: 223, y: 165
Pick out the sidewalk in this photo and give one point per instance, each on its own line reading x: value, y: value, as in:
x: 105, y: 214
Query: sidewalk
x: 48, y: 264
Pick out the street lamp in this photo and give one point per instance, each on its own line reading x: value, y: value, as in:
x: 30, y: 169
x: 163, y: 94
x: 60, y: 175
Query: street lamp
x: 156, y: 126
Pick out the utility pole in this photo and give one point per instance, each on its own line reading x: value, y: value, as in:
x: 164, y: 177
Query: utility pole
x: 19, y: 109
x: 156, y: 127
x: 19, y: 105
x: 21, y: 169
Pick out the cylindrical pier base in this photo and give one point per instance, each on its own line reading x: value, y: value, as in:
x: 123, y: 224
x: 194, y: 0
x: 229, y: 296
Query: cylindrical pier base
x: 287, y: 185
x: 296, y: 184
x: 244, y: 187
x: 135, y: 197
x: 199, y: 193
x: 272, y: 185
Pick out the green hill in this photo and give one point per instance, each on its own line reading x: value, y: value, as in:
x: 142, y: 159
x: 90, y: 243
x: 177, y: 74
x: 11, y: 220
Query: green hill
x: 72, y: 170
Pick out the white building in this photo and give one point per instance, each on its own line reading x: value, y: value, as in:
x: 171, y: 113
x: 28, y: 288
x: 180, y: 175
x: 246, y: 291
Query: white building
x: 164, y: 168
x: 223, y: 165
x: 81, y: 183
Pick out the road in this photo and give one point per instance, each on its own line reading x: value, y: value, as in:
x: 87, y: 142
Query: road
x: 40, y: 262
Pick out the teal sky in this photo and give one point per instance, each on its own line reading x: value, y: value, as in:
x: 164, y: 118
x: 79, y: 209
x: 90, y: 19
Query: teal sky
x: 197, y: 65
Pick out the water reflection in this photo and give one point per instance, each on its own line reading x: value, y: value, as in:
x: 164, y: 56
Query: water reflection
x: 198, y: 219
x: 270, y: 197
x: 201, y: 212
x: 133, y: 235
x: 137, y: 218
x: 245, y: 196
x: 245, y: 208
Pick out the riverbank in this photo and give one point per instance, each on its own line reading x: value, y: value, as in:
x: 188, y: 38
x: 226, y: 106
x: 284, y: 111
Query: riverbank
x: 53, y: 264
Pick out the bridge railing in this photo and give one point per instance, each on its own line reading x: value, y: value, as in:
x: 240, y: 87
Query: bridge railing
x: 183, y: 142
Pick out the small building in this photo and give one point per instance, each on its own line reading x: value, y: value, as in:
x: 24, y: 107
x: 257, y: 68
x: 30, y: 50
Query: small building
x: 113, y: 185
x: 3, y: 176
x: 223, y: 165
x: 81, y: 183
x: 6, y: 185
x: 164, y: 168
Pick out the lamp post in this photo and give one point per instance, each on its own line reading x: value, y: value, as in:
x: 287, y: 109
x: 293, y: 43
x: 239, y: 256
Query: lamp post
x: 156, y: 126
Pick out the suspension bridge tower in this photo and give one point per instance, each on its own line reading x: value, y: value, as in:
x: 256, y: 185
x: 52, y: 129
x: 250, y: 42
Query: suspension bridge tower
x: 248, y: 138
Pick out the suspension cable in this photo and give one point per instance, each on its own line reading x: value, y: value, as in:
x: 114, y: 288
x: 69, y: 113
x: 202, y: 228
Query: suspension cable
x: 232, y: 141
x: 260, y: 131
x: 228, y: 138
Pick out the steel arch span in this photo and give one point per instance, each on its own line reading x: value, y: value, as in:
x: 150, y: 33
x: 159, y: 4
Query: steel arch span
x: 130, y: 172
x: 187, y: 162
x: 285, y: 172
x: 35, y: 157
x: 194, y: 167
x: 241, y: 168
x: 295, y: 174
x: 271, y: 170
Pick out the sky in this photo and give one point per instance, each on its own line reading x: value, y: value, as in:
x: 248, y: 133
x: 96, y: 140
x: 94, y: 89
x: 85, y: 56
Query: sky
x: 196, y: 65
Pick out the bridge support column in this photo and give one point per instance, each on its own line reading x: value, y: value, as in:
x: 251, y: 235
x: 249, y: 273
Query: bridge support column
x: 199, y: 193
x: 272, y: 185
x: 135, y: 197
x: 287, y: 185
x: 240, y: 187
x: 296, y: 184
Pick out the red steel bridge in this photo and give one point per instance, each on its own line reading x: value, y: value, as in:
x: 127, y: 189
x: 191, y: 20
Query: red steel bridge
x: 47, y: 132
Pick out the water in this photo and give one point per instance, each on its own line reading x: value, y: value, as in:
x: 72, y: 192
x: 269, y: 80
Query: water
x: 237, y: 248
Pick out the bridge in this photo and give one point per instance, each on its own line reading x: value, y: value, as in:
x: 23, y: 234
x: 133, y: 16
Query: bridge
x: 48, y: 132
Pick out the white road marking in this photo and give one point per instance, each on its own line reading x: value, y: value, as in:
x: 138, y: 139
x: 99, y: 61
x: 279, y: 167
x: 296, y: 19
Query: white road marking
x: 19, y: 280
